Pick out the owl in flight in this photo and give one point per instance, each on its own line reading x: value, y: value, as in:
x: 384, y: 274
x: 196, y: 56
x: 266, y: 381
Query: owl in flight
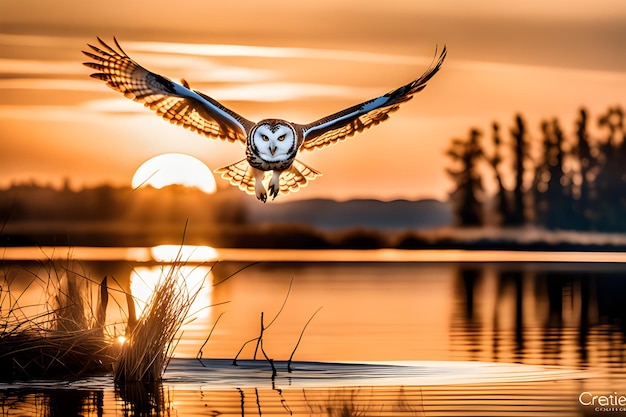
x: 271, y: 144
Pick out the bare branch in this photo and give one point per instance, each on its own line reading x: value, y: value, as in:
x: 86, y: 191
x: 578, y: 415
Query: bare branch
x: 300, y: 339
x: 284, y: 303
x: 199, y: 355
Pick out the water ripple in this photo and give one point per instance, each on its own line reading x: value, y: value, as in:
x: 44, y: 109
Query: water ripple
x: 222, y: 374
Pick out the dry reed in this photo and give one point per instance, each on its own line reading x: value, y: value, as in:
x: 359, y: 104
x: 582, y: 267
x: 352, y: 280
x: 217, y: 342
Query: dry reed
x: 67, y: 337
x: 152, y: 339
x: 64, y: 338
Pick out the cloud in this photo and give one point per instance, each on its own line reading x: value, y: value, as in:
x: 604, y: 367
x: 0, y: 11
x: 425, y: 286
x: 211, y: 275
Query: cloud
x: 49, y: 84
x: 225, y: 50
x: 37, y: 66
x: 203, y: 69
x: 33, y: 40
x: 285, y: 91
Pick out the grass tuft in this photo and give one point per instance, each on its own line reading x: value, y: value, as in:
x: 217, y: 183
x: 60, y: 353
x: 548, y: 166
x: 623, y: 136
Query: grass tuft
x: 65, y: 335
x: 151, y: 340
x: 64, y: 338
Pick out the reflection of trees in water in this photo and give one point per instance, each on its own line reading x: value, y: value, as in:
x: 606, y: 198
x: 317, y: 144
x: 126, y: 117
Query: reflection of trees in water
x: 331, y: 402
x: 540, y: 315
x: 513, y: 281
x: 363, y: 402
x: 468, y: 317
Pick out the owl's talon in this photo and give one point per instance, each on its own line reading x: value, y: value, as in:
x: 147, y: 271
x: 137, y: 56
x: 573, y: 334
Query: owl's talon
x: 262, y: 197
x: 273, y: 191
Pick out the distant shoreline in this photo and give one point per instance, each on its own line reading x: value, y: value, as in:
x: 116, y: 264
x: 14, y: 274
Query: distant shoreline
x: 292, y: 236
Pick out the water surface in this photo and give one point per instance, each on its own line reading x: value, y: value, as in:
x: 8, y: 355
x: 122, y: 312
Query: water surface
x: 391, y: 333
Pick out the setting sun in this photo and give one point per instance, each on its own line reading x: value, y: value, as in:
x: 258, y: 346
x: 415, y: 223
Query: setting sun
x: 174, y: 168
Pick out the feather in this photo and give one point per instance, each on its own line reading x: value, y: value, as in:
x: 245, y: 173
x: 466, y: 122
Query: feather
x: 297, y: 176
x: 346, y: 123
x: 240, y: 175
x: 170, y: 100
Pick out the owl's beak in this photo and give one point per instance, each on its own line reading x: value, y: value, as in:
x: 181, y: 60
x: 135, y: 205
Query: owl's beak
x: 272, y: 150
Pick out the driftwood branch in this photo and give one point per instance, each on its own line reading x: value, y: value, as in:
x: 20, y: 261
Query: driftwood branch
x: 271, y: 361
x: 259, y: 338
x: 263, y: 327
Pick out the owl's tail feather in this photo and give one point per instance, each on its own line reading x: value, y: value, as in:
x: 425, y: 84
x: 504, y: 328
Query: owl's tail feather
x: 240, y: 175
x: 297, y: 176
x: 292, y: 179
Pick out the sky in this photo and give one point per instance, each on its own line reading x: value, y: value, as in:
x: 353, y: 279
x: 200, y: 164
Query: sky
x: 300, y: 61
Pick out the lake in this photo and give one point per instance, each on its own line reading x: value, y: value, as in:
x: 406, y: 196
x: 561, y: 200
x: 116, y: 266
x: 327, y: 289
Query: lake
x: 383, y: 333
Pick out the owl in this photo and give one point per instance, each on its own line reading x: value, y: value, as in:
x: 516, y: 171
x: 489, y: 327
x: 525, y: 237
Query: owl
x: 271, y: 145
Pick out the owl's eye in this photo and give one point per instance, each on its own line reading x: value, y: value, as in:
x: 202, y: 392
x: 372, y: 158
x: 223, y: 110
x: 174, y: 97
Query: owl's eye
x: 282, y: 138
x: 265, y: 138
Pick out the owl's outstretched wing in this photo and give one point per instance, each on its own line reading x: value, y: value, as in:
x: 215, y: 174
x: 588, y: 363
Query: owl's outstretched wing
x: 355, y: 119
x: 292, y: 179
x: 175, y: 102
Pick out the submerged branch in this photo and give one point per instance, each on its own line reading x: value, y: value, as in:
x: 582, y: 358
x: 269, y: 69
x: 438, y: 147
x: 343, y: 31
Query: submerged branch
x: 200, y: 353
x: 300, y: 339
x: 259, y: 338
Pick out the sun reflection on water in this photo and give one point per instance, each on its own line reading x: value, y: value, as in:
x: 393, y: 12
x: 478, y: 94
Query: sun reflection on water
x: 196, y: 278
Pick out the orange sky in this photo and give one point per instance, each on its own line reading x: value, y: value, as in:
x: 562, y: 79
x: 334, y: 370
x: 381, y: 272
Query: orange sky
x: 303, y: 60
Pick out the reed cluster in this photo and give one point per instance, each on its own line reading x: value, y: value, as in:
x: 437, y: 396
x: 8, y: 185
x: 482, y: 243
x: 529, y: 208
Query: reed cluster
x: 151, y: 339
x: 65, y: 337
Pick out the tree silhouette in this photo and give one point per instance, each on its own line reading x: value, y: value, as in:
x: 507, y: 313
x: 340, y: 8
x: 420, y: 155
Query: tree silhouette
x: 610, y: 183
x: 502, y: 194
x: 553, y: 195
x: 578, y: 183
x: 520, y: 153
x: 469, y: 189
x: 587, y: 171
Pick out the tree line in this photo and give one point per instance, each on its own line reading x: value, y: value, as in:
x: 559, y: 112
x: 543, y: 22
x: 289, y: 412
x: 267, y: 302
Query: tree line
x: 30, y: 202
x: 557, y: 180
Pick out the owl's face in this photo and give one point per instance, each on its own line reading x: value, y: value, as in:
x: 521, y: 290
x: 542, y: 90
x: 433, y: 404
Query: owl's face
x: 274, y: 141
